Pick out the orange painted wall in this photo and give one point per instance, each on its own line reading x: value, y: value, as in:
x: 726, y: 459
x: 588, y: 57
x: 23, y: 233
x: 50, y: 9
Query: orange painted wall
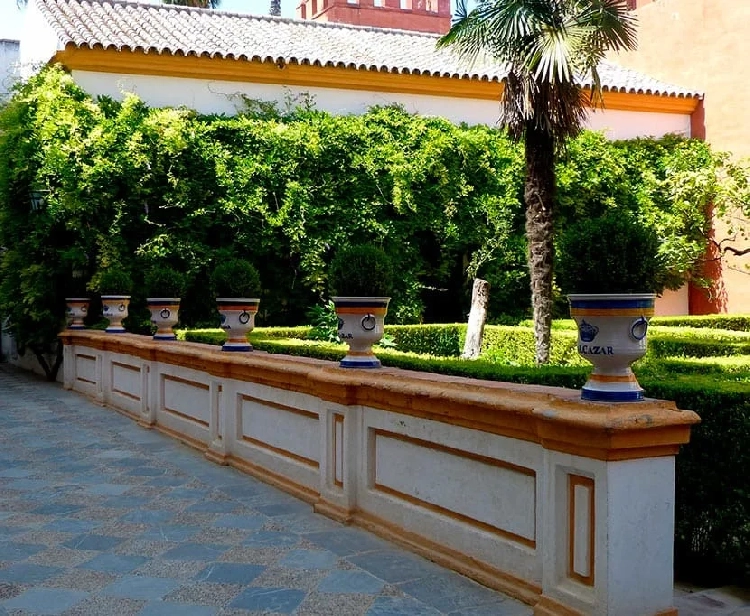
x: 705, y: 45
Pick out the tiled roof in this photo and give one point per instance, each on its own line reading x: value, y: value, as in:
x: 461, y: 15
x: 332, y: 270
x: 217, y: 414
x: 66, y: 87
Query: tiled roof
x: 184, y: 31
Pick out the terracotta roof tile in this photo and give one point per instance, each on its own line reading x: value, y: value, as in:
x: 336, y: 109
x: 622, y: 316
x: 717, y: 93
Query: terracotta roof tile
x: 176, y: 30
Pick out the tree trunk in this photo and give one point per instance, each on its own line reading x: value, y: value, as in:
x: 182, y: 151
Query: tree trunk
x: 539, y: 195
x: 477, y: 318
x: 276, y: 8
x: 50, y: 368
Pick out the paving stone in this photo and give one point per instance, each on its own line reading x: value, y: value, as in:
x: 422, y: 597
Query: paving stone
x: 243, y: 522
x: 114, y: 563
x: 507, y: 607
x: 20, y: 551
x: 347, y: 541
x: 140, y: 587
x: 93, y: 542
x: 267, y: 538
x: 394, y: 565
x: 449, y: 592
x: 279, y: 600
x: 229, y: 573
x: 351, y: 582
x: 168, y: 532
x: 400, y: 606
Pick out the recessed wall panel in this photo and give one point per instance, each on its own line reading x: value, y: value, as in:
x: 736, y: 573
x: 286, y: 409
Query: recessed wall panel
x: 493, y: 494
x: 285, y: 430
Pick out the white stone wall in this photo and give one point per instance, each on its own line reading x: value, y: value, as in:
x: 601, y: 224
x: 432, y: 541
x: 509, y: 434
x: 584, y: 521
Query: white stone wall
x: 562, y: 531
x: 226, y: 97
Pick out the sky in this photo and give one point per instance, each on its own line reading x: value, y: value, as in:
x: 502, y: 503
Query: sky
x: 11, y: 17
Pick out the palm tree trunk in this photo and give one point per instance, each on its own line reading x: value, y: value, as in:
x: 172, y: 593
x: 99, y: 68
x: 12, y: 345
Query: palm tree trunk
x: 539, y: 194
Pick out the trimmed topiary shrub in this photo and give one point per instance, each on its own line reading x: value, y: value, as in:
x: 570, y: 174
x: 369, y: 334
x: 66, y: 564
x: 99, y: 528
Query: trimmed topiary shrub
x: 236, y: 278
x: 361, y: 271
x: 164, y: 281
x: 113, y: 281
x: 613, y: 253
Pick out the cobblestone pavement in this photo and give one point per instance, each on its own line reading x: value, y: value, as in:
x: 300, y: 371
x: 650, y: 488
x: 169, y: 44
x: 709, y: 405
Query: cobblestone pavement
x: 99, y: 516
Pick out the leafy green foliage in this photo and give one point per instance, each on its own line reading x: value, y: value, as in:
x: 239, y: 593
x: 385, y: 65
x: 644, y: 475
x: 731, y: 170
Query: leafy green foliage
x: 612, y: 253
x: 236, y: 278
x: 113, y: 281
x: 164, y: 281
x: 127, y: 185
x: 361, y: 271
x: 324, y: 322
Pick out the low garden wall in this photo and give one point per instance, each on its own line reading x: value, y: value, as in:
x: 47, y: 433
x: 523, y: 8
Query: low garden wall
x: 566, y: 505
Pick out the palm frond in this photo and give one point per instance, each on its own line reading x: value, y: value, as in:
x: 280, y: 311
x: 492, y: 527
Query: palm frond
x: 548, y: 47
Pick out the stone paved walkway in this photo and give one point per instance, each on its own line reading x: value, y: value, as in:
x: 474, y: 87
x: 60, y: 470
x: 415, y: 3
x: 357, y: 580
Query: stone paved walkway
x: 99, y: 516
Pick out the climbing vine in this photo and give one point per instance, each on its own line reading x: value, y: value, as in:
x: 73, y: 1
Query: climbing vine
x: 285, y: 189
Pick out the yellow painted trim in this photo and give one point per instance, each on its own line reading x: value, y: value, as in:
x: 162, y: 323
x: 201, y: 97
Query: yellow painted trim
x: 306, y: 75
x: 612, y: 378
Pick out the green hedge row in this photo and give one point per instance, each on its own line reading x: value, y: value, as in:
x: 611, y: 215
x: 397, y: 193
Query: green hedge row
x: 735, y: 322
x: 515, y: 345
x: 732, y: 322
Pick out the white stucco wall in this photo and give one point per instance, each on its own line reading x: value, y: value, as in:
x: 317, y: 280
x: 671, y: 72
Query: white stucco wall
x: 8, y: 65
x: 226, y: 97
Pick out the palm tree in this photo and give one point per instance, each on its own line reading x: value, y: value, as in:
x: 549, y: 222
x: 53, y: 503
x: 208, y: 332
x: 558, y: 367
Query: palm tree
x: 549, y: 47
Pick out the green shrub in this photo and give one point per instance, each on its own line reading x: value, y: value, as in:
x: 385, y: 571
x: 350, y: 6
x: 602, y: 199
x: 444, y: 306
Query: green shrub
x: 113, y: 281
x: 735, y: 322
x: 324, y: 321
x: 712, y: 521
x: 164, y: 281
x: 613, y: 253
x: 361, y: 271
x: 443, y: 340
x: 515, y: 346
x: 236, y: 278
x: 696, y: 342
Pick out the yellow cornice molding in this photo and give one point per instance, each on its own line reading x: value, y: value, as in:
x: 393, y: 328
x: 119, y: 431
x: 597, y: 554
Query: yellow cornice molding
x: 306, y: 75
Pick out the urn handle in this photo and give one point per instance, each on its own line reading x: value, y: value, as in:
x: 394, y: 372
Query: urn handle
x: 639, y: 328
x: 368, y: 322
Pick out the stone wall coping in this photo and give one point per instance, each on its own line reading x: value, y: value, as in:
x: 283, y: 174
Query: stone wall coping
x: 554, y: 417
